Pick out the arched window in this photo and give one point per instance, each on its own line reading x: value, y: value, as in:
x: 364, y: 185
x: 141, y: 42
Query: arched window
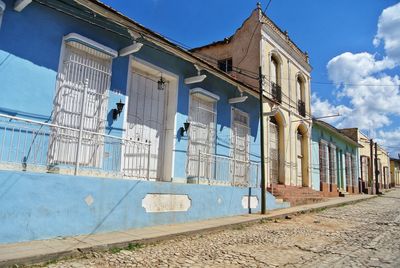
x: 300, y: 88
x: 275, y: 70
x: 300, y: 94
x: 275, y: 77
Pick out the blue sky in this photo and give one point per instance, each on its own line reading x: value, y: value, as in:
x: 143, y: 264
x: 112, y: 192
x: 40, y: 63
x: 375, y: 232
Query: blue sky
x: 339, y: 32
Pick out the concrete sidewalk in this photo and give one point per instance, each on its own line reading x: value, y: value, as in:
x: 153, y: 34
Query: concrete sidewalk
x: 46, y: 250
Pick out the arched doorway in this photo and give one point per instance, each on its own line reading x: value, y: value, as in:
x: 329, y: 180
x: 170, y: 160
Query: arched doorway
x: 276, y: 149
x: 302, y: 157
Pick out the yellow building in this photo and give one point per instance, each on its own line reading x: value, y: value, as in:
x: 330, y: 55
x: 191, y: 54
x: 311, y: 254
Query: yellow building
x: 367, y: 165
x: 286, y: 83
x: 395, y: 172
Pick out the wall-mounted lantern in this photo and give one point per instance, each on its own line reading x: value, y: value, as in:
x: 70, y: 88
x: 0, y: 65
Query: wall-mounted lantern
x: 185, y: 128
x: 118, y: 111
x: 161, y: 84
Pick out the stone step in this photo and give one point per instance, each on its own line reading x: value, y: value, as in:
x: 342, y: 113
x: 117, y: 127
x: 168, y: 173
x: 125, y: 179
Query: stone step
x: 296, y: 195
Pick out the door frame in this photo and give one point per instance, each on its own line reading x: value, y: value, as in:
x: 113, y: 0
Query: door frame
x: 170, y: 113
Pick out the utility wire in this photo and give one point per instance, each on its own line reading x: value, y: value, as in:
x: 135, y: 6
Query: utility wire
x: 248, y: 73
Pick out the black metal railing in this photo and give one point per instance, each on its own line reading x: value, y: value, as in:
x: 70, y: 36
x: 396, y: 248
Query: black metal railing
x: 276, y: 92
x: 301, y: 107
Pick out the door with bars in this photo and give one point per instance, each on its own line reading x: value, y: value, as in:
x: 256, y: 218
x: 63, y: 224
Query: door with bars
x: 201, y: 136
x: 299, y: 149
x: 143, y: 158
x: 274, y: 151
x: 323, y: 162
x: 240, y: 147
x: 79, y: 64
x: 332, y: 164
x: 348, y: 170
x: 365, y: 170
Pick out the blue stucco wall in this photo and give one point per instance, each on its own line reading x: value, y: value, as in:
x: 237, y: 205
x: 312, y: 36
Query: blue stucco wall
x: 320, y: 133
x: 30, y: 50
x: 39, y: 206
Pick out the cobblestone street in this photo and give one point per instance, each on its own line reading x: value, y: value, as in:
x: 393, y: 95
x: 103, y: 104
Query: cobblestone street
x: 365, y: 234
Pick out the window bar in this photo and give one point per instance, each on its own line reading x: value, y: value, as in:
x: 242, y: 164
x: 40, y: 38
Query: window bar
x: 78, y: 149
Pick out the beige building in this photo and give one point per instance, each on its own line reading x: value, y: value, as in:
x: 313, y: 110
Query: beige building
x: 395, y: 172
x: 367, y: 166
x: 286, y: 83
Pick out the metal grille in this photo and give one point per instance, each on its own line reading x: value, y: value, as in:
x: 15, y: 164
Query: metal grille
x: 24, y: 146
x: 201, y: 134
x: 274, y: 152
x: 240, y: 146
x: 323, y: 162
x: 83, y: 70
x: 354, y: 171
x: 222, y: 165
x: 299, y: 148
x: 145, y: 123
x: 365, y: 168
x: 332, y: 165
x: 348, y: 170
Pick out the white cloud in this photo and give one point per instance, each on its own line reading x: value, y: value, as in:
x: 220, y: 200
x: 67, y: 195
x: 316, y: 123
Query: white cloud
x: 372, y: 96
x: 350, y: 68
x: 389, y: 32
x: 323, y: 108
x: 390, y: 140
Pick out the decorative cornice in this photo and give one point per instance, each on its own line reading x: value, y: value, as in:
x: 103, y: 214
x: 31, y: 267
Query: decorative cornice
x: 285, y: 45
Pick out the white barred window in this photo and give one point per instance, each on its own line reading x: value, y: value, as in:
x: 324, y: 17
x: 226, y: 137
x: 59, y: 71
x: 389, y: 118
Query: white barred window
x: 202, y: 116
x: 240, y: 145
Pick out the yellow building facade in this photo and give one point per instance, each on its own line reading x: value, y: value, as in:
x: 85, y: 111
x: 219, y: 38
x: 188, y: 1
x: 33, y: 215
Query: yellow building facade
x: 367, y: 163
x: 395, y: 172
x: 286, y: 83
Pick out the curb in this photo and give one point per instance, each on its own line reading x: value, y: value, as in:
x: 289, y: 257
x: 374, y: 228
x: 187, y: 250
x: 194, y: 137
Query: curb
x: 77, y: 252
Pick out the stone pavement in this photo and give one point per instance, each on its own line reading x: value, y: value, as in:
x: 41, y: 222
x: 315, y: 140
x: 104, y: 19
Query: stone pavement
x: 194, y: 251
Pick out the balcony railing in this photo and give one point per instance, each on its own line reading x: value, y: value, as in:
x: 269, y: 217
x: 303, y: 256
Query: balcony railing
x: 216, y: 169
x: 276, y: 92
x: 30, y: 145
x: 301, y: 107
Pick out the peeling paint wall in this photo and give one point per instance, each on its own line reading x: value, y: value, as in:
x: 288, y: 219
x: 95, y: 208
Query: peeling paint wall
x: 39, y: 206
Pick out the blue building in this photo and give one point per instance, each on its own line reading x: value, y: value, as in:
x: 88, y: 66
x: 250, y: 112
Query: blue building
x: 335, y: 160
x: 106, y: 125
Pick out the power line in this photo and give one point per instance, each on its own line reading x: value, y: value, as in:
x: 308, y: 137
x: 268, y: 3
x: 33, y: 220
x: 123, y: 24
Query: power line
x: 241, y: 71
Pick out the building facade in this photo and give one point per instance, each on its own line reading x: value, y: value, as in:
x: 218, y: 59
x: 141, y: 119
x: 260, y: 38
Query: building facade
x: 106, y: 125
x: 369, y: 168
x: 394, y: 172
x: 285, y: 72
x: 335, y: 165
